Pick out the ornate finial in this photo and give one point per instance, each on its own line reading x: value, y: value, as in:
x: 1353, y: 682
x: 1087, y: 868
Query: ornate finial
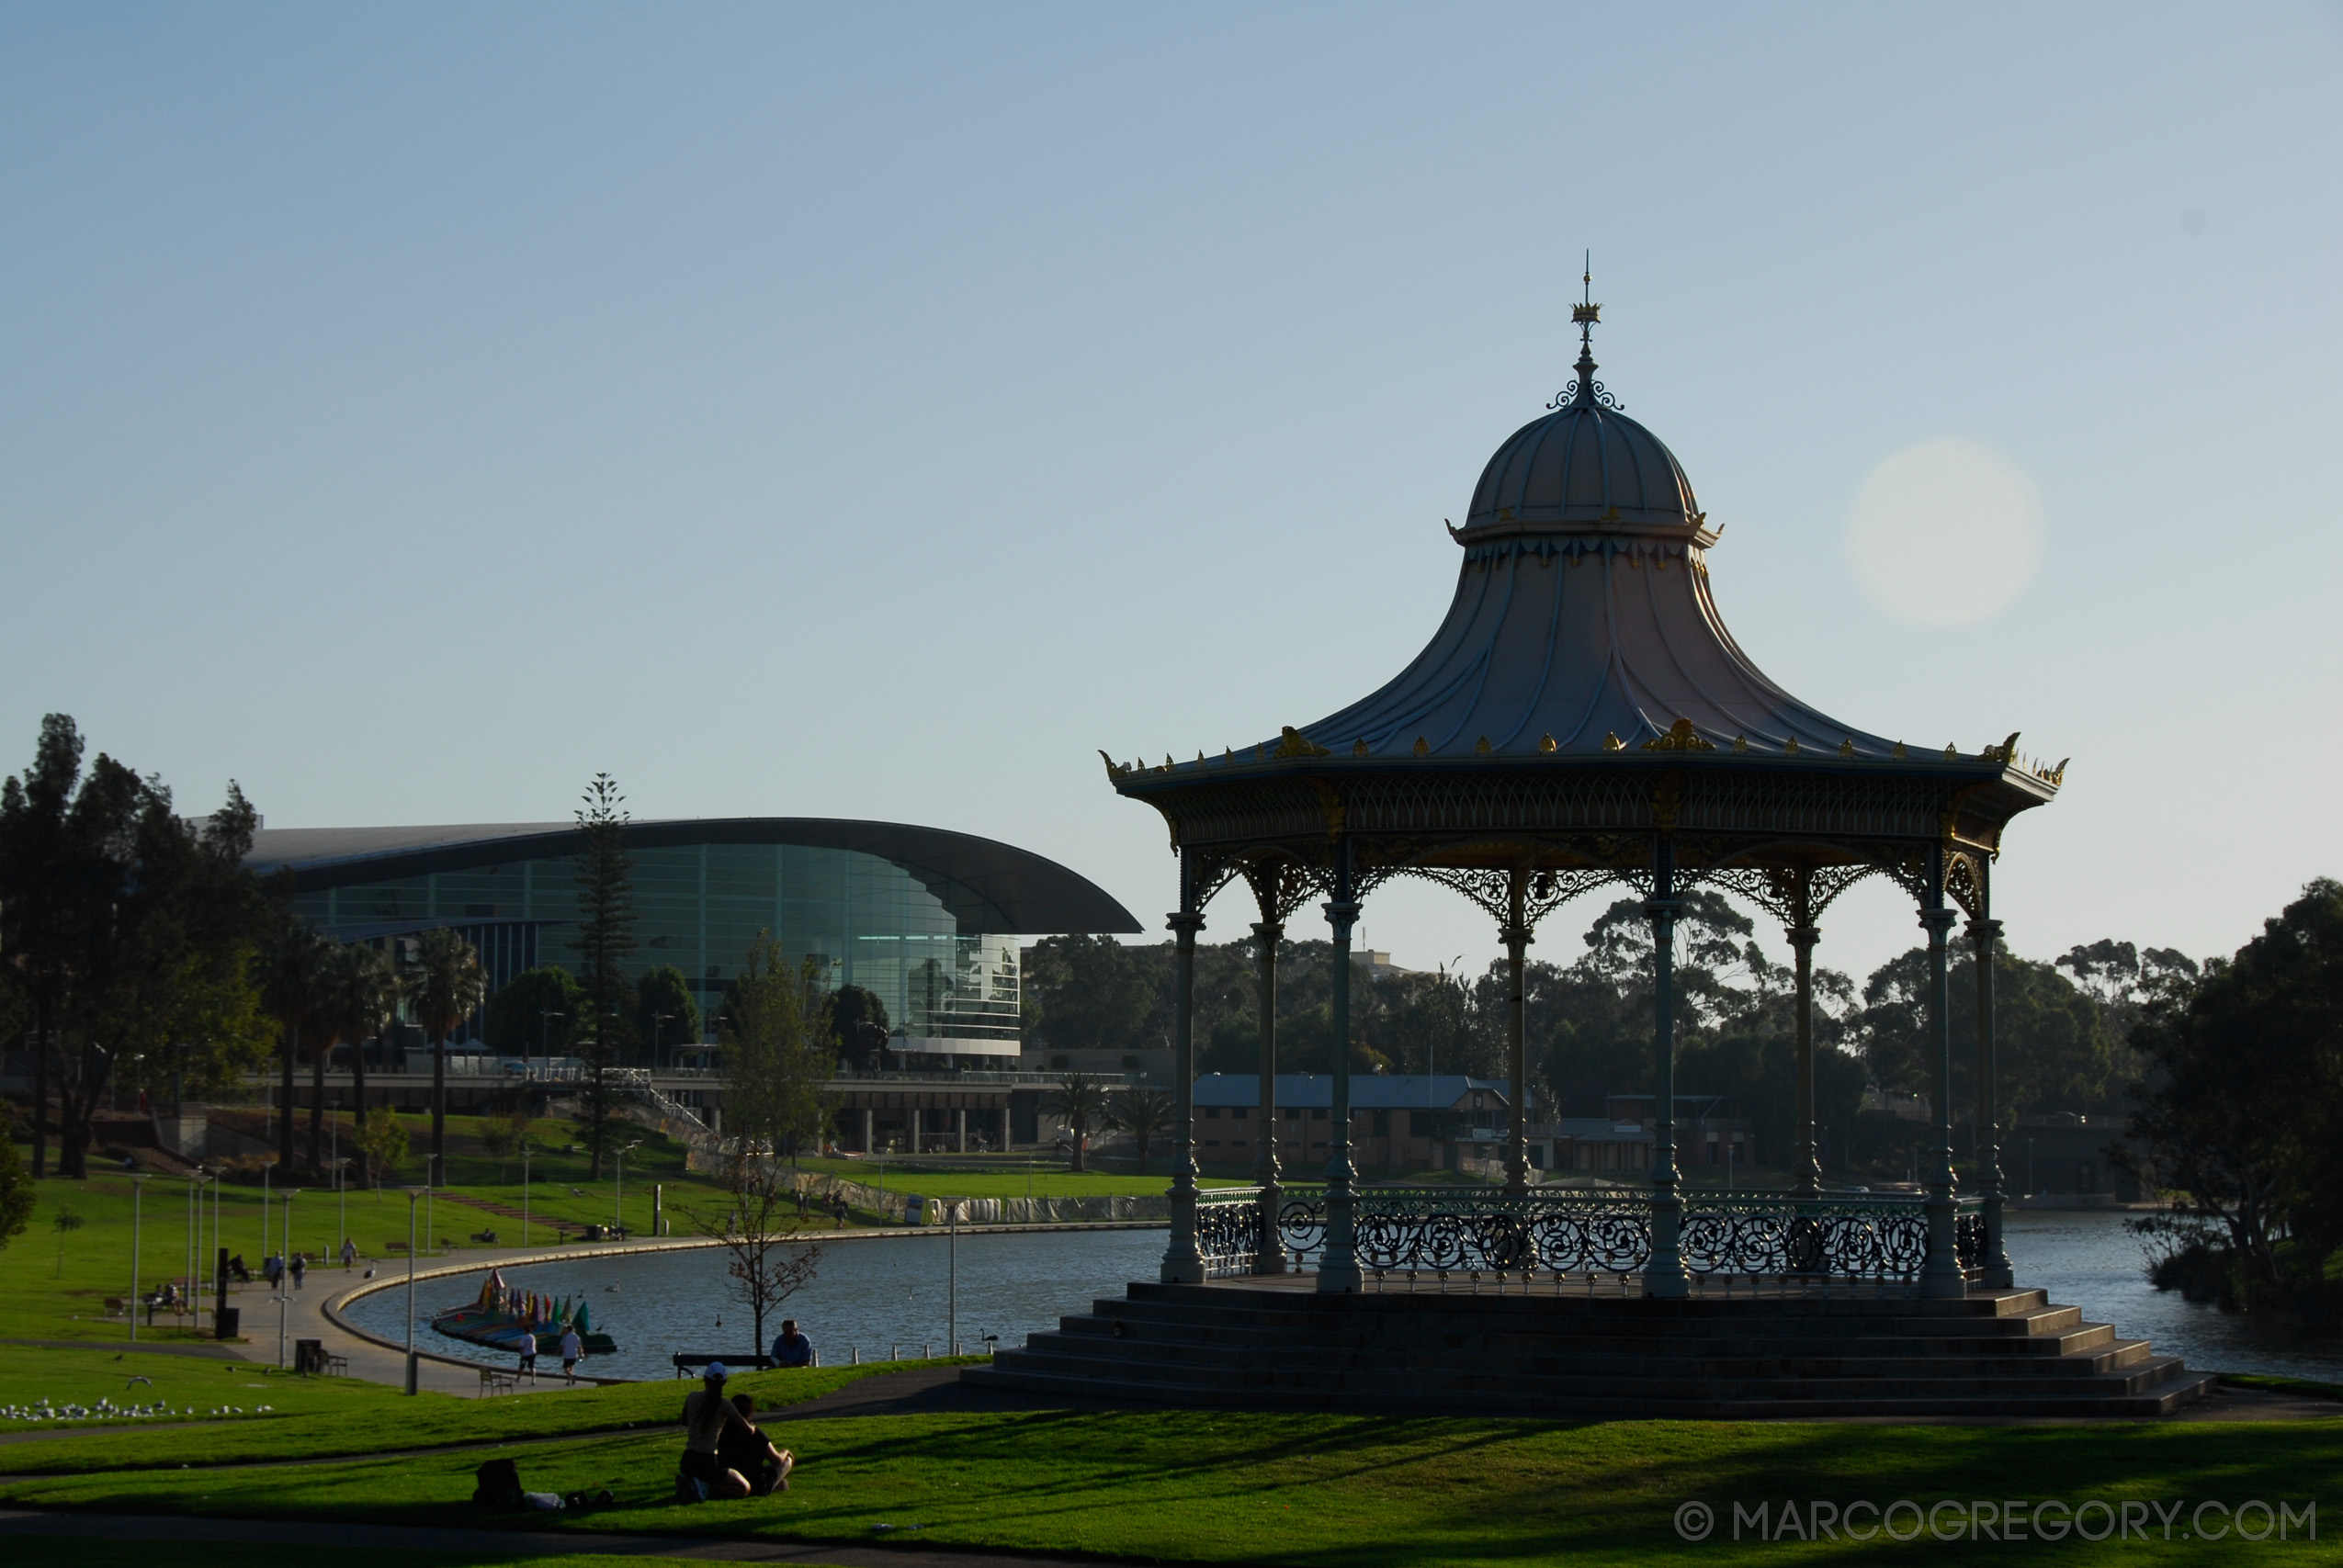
x: 1585, y: 390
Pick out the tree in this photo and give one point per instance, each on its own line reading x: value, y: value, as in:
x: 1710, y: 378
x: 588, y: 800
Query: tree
x: 140, y: 928
x: 1087, y: 993
x: 16, y: 1192
x: 666, y: 1013
x: 382, y: 1143
x: 1145, y: 1114
x: 1079, y: 1101
x: 295, y: 989
x: 2242, y: 1107
x: 64, y: 1223
x: 2050, y: 1045
x: 444, y: 983
x: 777, y: 1051
x: 362, y: 1004
x: 856, y: 1018
x: 764, y: 1267
x: 540, y: 1014
x: 605, y: 940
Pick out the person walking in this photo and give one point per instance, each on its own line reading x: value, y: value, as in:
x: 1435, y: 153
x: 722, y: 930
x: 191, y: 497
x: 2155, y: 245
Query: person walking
x: 300, y: 1269
x: 349, y: 1254
x: 573, y: 1352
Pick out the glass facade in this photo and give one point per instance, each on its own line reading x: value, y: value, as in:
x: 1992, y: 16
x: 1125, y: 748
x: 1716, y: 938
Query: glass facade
x: 698, y: 907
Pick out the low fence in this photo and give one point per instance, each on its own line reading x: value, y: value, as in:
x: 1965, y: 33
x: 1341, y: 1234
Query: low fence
x: 918, y: 1209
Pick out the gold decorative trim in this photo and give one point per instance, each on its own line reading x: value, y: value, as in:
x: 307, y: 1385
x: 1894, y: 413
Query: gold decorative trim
x: 1681, y: 736
x: 1423, y: 747
x: 1294, y: 743
x: 1546, y: 744
x: 1611, y: 742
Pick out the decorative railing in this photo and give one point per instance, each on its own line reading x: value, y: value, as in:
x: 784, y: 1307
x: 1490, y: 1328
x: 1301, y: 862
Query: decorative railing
x: 1592, y: 1232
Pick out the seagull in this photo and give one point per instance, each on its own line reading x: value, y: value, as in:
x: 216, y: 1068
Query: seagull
x: 135, y: 1381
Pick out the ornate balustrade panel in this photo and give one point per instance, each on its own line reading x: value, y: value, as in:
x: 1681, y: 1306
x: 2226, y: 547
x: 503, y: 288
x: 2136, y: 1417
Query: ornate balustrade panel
x: 1851, y: 1236
x: 1228, y: 1230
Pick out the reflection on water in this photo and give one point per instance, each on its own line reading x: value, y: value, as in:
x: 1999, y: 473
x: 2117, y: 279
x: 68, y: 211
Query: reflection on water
x: 2088, y: 1260
x: 874, y: 1292
x: 884, y: 1292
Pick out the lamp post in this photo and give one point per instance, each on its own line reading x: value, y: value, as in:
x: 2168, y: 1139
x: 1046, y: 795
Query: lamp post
x: 138, y: 1190
x: 282, y: 1301
x: 952, y: 1281
x: 412, y: 1193
x: 656, y: 1020
x: 195, y: 1211
x: 266, y: 1172
x: 287, y: 1237
x: 342, y: 1200
x: 619, y: 1222
x: 545, y: 1037
x: 525, y: 1189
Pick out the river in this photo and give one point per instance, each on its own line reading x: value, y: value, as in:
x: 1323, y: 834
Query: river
x: 886, y: 1294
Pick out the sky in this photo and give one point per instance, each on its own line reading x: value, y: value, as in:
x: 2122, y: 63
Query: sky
x: 409, y: 412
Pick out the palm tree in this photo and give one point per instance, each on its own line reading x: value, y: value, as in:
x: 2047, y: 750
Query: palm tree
x: 364, y: 991
x: 1080, y: 1102
x: 1145, y: 1114
x: 292, y: 991
x: 444, y: 985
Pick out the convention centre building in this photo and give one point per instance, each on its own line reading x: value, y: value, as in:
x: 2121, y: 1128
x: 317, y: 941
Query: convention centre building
x: 927, y: 919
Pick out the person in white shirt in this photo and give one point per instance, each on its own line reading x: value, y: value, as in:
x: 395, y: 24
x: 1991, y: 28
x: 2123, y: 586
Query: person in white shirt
x: 573, y: 1352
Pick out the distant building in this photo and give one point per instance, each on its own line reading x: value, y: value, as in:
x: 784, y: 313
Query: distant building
x: 926, y: 918
x: 1405, y: 1122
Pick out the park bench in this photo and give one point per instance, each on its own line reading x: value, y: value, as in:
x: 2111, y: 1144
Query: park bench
x: 114, y: 1307
x: 394, y: 1247
x: 493, y: 1380
x: 693, y: 1363
x: 486, y: 1238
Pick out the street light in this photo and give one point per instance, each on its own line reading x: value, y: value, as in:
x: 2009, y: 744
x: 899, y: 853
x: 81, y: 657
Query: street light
x: 525, y: 1189
x: 286, y: 1273
x: 412, y: 1193
x: 620, y: 1224
x: 138, y: 1190
x: 282, y: 1301
x: 545, y: 1037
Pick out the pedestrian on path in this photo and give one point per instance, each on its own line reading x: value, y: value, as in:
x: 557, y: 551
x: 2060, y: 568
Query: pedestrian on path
x: 300, y: 1269
x: 573, y: 1352
x: 349, y: 1254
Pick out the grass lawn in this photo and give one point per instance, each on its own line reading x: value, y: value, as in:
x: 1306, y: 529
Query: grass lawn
x: 318, y: 1417
x: 1005, y: 1176
x: 67, y: 1551
x: 1307, y: 1490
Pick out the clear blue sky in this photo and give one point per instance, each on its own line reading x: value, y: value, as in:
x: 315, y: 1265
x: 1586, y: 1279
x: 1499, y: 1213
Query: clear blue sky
x: 872, y: 411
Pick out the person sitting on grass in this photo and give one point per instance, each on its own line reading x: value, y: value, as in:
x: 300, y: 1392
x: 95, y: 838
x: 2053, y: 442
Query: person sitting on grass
x: 753, y: 1456
x: 709, y: 1417
x: 792, y: 1348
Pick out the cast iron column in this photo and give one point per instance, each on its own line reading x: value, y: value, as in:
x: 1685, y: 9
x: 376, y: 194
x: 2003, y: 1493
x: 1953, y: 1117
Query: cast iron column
x: 1664, y: 1275
x: 1941, y: 1275
x: 1985, y: 935
x: 1270, y: 1258
x: 1182, y: 1260
x: 1517, y: 1143
x: 1807, y: 1167
x: 1338, y: 1261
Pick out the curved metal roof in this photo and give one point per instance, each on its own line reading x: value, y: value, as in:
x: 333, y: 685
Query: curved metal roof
x: 1582, y: 620
x: 991, y: 887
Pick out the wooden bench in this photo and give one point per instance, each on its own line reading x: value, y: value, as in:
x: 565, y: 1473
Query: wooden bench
x: 394, y: 1247
x: 114, y: 1307
x: 690, y: 1363
x: 493, y: 1380
x: 487, y: 1239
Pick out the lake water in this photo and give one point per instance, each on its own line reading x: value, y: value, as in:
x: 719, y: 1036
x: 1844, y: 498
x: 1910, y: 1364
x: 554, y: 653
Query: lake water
x: 879, y: 1294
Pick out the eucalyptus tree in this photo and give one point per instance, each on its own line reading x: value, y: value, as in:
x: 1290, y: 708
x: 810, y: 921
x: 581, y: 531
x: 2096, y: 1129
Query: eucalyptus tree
x: 444, y: 985
x: 778, y: 1052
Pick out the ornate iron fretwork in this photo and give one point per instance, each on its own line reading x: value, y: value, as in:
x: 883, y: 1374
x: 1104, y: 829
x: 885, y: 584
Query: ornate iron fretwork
x: 1796, y: 895
x: 1492, y: 890
x: 1444, y: 1230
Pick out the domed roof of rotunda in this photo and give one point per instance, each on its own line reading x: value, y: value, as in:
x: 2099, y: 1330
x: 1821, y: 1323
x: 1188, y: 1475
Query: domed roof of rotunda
x: 1585, y: 465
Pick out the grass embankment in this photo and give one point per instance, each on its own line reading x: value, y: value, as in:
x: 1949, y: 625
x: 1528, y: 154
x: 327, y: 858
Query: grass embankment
x: 54, y: 1286
x: 67, y: 1551
x: 996, y: 1176
x: 1308, y: 1490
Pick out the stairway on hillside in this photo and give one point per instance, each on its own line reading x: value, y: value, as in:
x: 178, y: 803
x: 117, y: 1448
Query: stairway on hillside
x: 1993, y: 1354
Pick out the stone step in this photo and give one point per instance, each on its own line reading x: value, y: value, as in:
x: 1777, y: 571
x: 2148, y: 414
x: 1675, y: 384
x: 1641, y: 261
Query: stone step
x: 1473, y: 1379
x: 1302, y: 1294
x: 1380, y: 1338
x: 1693, y: 1361
x: 2155, y: 1400
x: 1423, y: 1314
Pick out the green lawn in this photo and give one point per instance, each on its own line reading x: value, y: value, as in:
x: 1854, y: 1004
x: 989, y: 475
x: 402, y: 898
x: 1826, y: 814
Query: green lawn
x: 1004, y: 1178
x: 67, y: 1551
x: 1308, y: 1490
x: 321, y: 1418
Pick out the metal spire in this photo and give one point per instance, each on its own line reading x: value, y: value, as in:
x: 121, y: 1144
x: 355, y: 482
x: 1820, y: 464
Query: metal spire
x: 1584, y: 315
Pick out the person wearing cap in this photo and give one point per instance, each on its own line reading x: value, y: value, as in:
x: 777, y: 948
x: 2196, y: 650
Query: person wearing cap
x: 709, y: 1417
